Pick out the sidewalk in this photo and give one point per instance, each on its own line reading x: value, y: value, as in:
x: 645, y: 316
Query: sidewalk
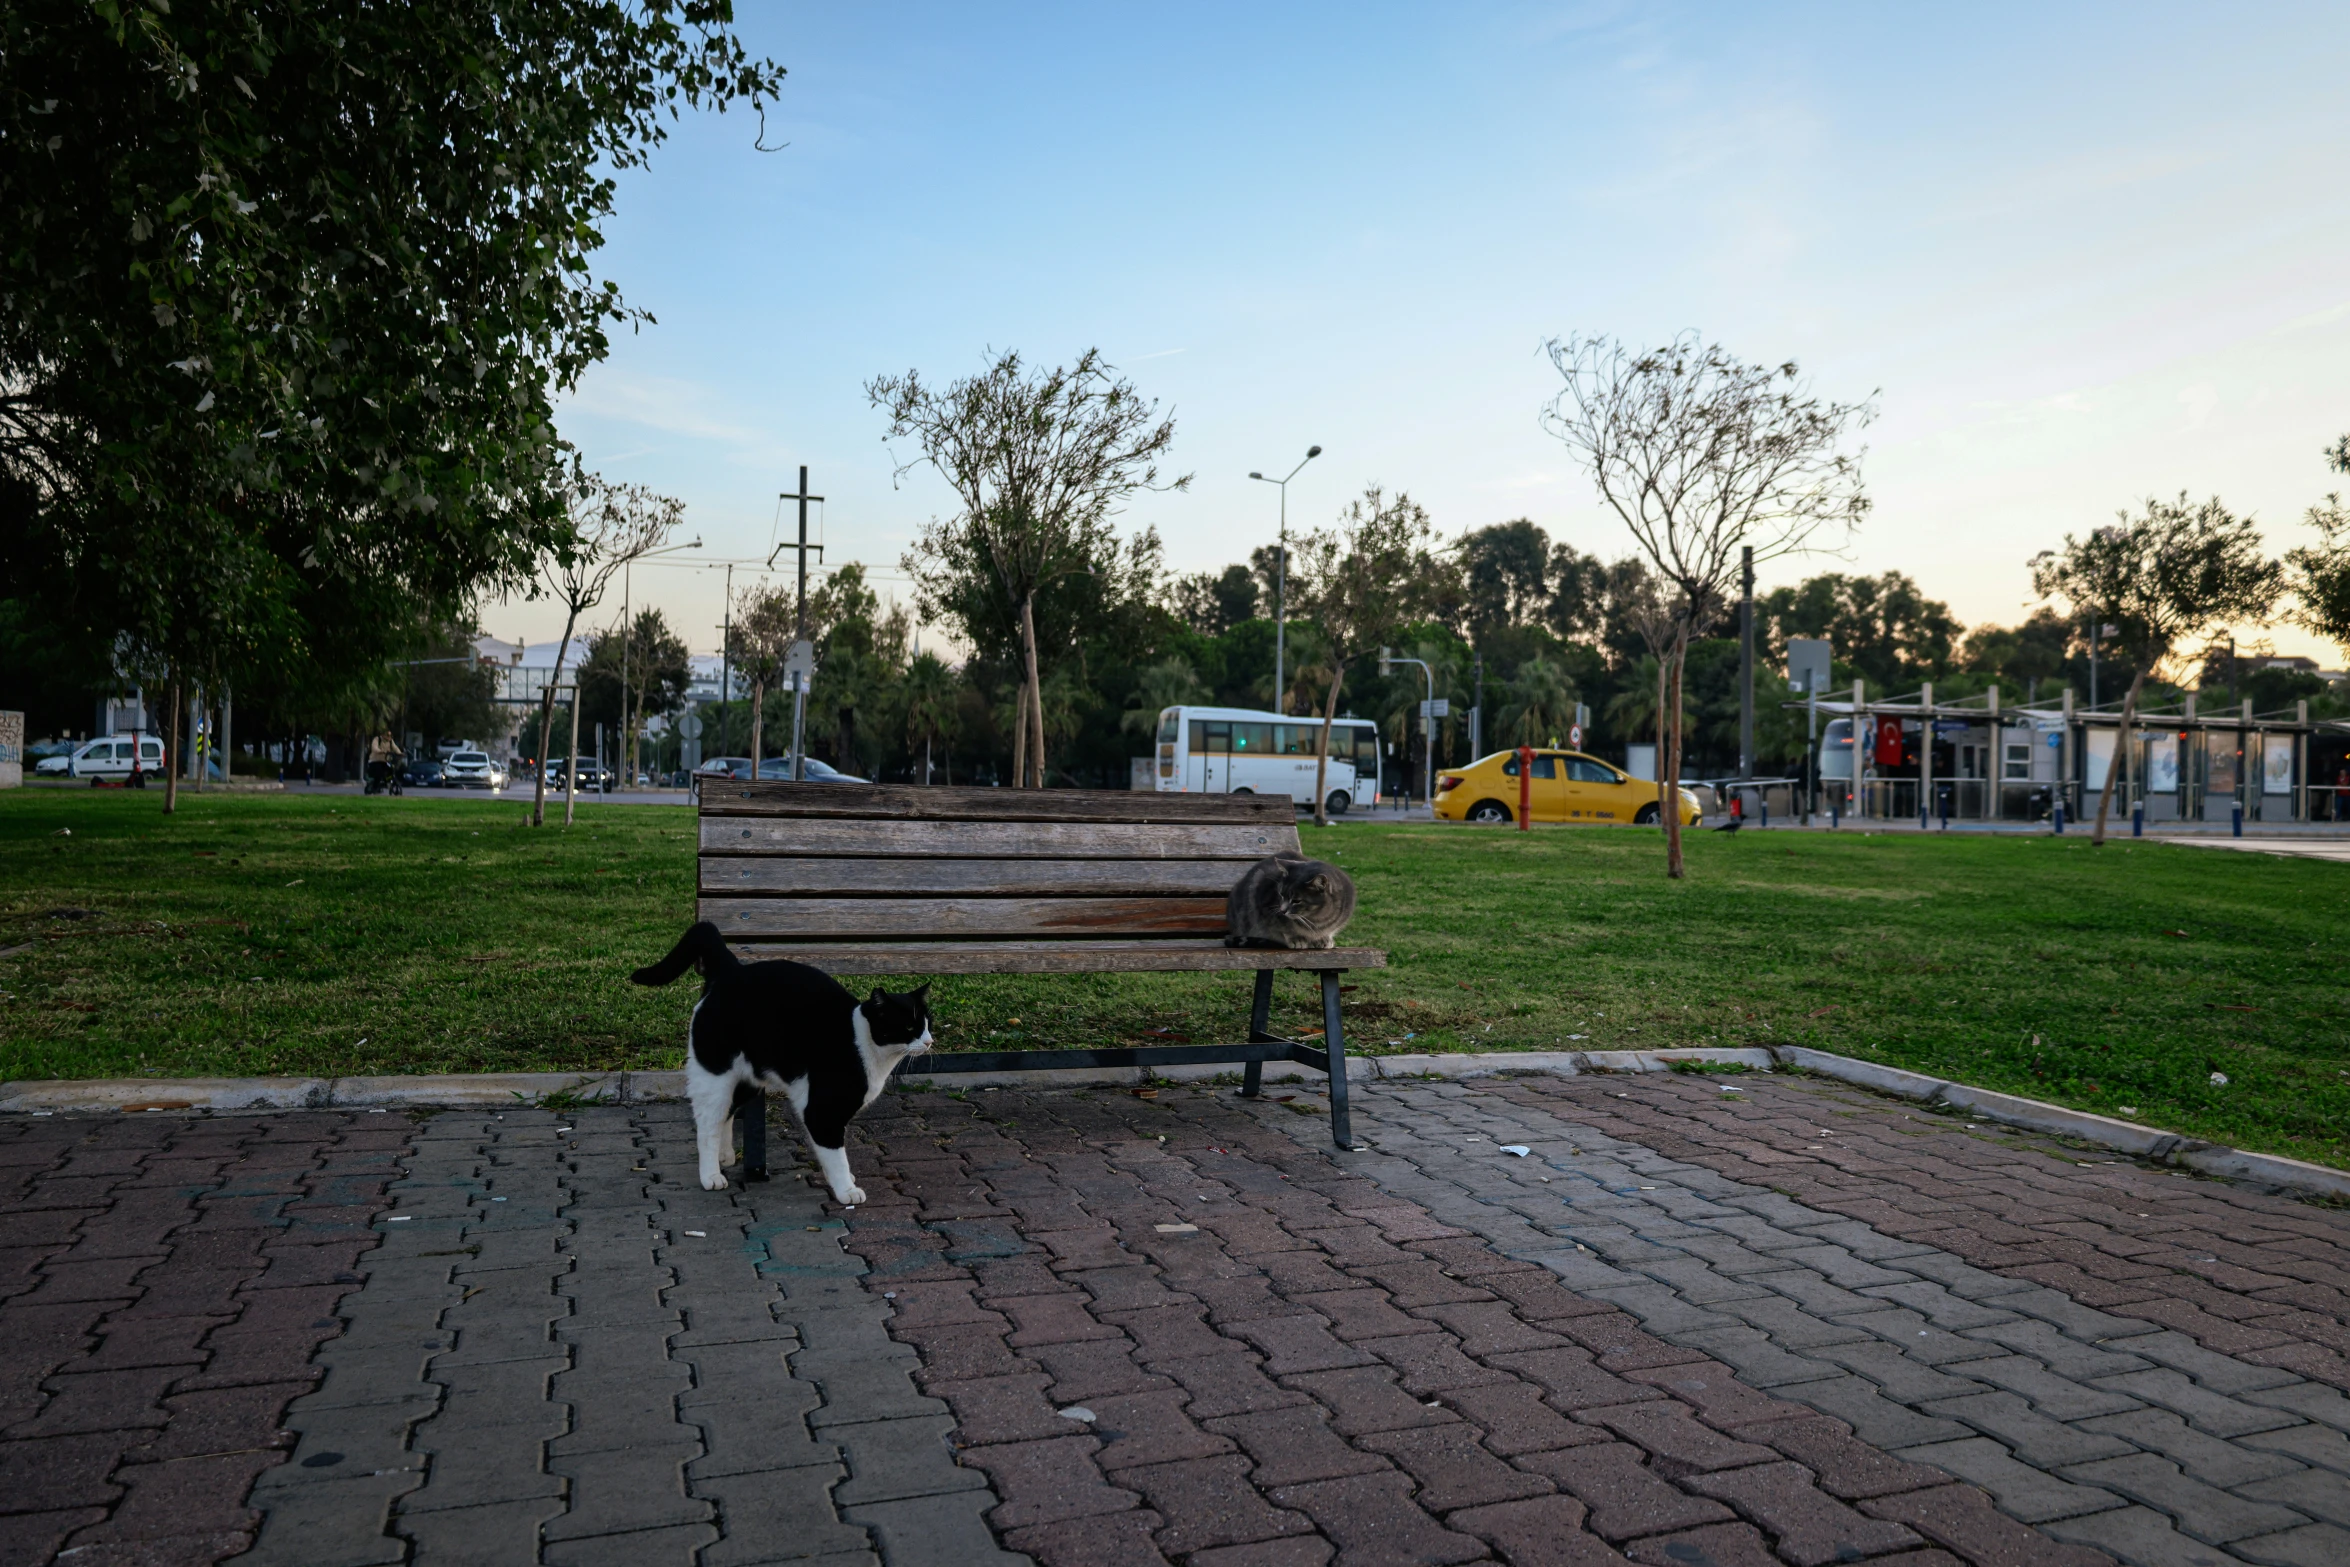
x: 1782, y: 1321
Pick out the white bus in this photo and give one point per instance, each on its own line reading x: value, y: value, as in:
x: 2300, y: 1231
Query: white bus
x: 1231, y: 750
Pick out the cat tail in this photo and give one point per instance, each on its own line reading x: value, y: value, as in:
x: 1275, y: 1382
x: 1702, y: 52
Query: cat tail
x: 700, y: 947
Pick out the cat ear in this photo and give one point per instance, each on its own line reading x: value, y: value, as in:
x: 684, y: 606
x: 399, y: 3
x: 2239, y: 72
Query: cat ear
x: 922, y: 994
x: 875, y: 1000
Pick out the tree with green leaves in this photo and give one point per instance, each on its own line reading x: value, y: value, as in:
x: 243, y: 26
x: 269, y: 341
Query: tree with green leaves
x: 765, y: 624
x: 1540, y: 704
x: 290, y: 292
x: 632, y: 674
x: 1040, y: 461
x: 2321, y: 572
x: 1170, y: 682
x: 1884, y: 627
x: 933, y: 713
x: 1359, y: 580
x: 2180, y: 572
x: 1703, y: 456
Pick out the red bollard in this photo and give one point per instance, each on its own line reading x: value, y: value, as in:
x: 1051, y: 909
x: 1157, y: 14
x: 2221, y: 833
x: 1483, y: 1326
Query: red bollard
x: 1525, y: 788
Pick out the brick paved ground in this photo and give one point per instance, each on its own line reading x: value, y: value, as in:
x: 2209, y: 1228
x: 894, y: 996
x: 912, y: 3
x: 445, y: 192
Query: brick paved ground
x: 1790, y: 1325
x: 163, y: 1281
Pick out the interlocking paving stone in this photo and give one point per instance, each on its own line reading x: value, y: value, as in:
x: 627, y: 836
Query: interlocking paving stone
x: 1796, y: 1324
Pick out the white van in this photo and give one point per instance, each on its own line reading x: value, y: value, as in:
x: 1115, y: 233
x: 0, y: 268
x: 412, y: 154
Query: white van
x: 107, y: 757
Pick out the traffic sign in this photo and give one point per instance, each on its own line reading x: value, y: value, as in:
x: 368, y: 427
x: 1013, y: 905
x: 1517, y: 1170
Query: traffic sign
x: 1441, y: 707
x: 690, y: 725
x: 1575, y: 737
x: 800, y: 663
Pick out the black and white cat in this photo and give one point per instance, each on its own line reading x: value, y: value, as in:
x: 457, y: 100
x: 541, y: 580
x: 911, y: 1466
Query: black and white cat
x: 789, y: 1029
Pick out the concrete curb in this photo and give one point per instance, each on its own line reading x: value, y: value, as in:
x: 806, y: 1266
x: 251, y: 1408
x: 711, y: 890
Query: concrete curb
x: 473, y: 1091
x: 2140, y: 1142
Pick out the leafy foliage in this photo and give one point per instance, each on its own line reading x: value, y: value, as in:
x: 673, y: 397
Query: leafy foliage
x: 289, y: 289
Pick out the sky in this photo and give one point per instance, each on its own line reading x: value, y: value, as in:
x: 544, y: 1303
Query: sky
x: 2079, y: 256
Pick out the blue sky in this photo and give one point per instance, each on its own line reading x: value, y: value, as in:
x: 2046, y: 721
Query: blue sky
x: 2082, y: 255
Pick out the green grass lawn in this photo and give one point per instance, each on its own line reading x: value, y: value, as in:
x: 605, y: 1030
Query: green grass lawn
x: 317, y: 935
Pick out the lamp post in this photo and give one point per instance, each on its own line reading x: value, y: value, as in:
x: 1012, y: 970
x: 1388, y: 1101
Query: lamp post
x: 628, y: 636
x: 1427, y: 718
x: 1281, y: 579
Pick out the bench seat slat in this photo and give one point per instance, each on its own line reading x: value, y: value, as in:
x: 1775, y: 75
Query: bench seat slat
x: 809, y: 918
x: 908, y: 802
x: 987, y: 878
x: 835, y: 836
x: 1056, y: 957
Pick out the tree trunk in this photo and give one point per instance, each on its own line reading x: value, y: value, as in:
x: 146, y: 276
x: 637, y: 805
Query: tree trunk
x: 1674, y: 868
x: 1020, y: 736
x: 171, y: 752
x: 1035, y: 687
x: 538, y: 791
x: 1322, y: 748
x: 571, y: 763
x: 758, y: 722
x: 1664, y: 799
x: 2113, y: 764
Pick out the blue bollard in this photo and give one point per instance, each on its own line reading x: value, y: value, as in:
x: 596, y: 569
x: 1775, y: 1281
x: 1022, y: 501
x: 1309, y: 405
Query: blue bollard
x: 2138, y: 820
x: 2059, y: 818
x: 1835, y: 811
x: 1766, y: 810
x: 2239, y: 814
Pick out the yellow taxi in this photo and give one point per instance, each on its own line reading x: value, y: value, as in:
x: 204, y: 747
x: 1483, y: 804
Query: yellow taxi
x: 1561, y: 786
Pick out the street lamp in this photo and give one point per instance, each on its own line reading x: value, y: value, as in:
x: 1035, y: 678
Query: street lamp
x: 1281, y: 577
x: 1389, y: 657
x: 628, y: 636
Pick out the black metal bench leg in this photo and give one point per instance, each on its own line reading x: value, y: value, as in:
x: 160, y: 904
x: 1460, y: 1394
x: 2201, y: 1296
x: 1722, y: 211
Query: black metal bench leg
x: 1342, y: 1131
x: 1260, y: 1018
x: 751, y: 1111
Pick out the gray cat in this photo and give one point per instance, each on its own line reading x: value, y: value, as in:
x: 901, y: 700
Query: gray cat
x: 1289, y: 901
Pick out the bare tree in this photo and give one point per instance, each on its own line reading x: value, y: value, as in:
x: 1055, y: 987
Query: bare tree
x: 611, y: 525
x: 1702, y: 455
x: 1359, y: 580
x: 766, y: 624
x: 2177, y: 574
x: 1039, y: 461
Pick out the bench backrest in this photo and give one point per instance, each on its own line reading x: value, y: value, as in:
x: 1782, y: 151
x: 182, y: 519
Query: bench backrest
x: 816, y: 870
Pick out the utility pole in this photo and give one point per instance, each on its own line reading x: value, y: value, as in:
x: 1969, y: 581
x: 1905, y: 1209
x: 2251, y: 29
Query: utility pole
x: 1477, y: 715
x: 726, y: 659
x: 1746, y: 664
x: 799, y: 685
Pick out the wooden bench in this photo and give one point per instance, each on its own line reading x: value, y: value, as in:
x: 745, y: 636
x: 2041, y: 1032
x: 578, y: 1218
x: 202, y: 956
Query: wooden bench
x: 890, y: 879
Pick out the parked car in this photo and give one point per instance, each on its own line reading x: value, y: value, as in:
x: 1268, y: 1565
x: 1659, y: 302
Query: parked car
x: 426, y: 772
x: 780, y: 768
x: 724, y: 767
x: 472, y: 770
x: 1563, y: 786
x: 107, y: 757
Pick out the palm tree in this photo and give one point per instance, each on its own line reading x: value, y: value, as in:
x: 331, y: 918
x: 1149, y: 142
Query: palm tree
x: 1171, y: 682
x: 1541, y: 703
x: 932, y: 711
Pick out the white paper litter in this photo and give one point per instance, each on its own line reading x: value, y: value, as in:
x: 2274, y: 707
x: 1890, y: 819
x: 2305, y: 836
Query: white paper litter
x: 700, y: 1235
x: 1176, y: 1229
x: 1520, y: 1149
x: 1077, y: 1412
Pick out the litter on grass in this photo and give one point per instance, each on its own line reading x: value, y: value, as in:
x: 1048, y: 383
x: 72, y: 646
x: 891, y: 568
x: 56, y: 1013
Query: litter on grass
x: 2219, y: 1079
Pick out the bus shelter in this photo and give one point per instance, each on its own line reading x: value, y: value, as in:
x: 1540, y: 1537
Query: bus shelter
x: 1976, y: 759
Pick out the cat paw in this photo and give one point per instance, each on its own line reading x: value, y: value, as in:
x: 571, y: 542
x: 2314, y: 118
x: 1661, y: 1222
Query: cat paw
x: 714, y: 1183
x: 850, y: 1198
